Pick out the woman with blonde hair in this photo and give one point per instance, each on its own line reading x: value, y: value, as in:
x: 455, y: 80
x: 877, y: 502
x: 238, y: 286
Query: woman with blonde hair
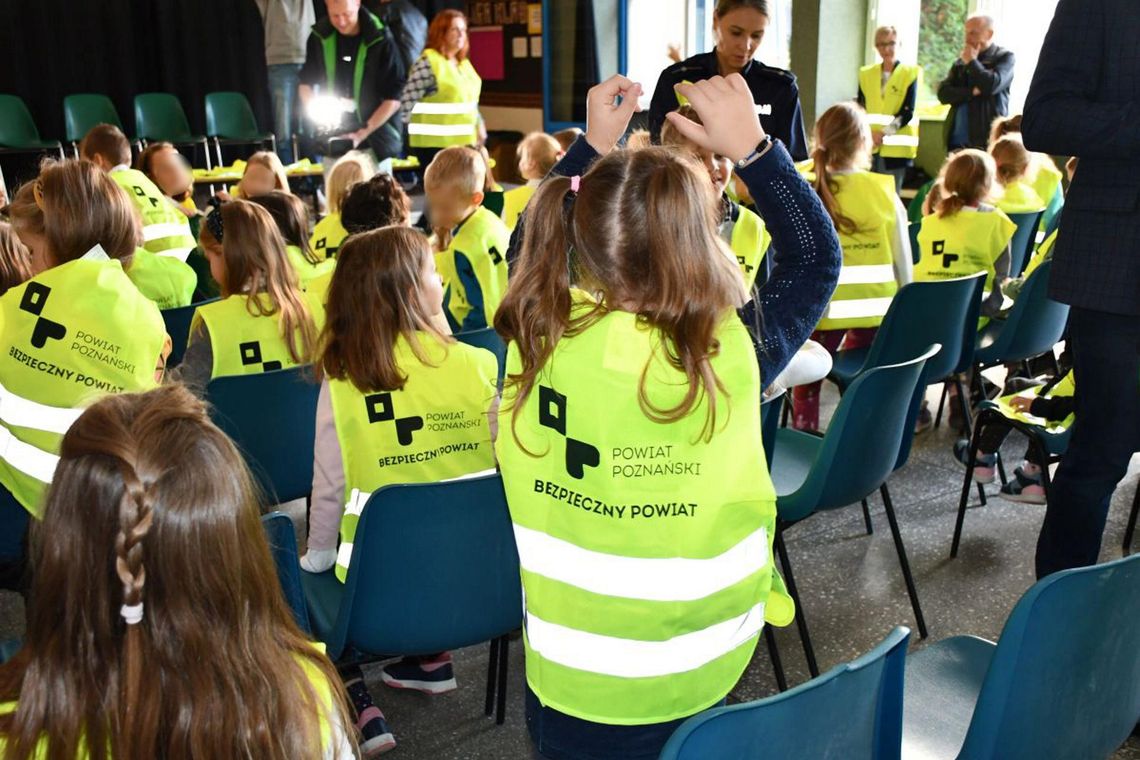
x: 889, y: 92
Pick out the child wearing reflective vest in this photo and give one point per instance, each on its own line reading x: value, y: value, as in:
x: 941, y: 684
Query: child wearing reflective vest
x: 264, y: 321
x: 329, y: 233
x: 1012, y: 161
x: 629, y: 438
x: 538, y: 153
x: 471, y: 241
x: 965, y: 234
x: 400, y: 402
x: 1043, y: 174
x: 873, y: 230
x: 292, y: 220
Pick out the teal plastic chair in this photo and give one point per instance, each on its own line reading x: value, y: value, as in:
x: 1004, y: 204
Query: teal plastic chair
x: 1062, y: 682
x: 915, y: 249
x: 1024, y: 240
x: 178, y: 328
x: 1033, y: 327
x: 434, y: 567
x: 853, y: 712
x: 489, y: 339
x: 83, y: 111
x: 851, y: 461
x: 230, y: 121
x: 283, y: 546
x: 159, y: 118
x: 18, y: 132
x: 271, y: 417
x: 1130, y: 528
x: 1053, y: 209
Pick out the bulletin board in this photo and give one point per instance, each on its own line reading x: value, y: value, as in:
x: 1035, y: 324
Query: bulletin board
x: 506, y: 50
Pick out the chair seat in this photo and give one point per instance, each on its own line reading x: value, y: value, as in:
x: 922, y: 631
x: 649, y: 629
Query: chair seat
x: 794, y: 454
x: 256, y: 137
x: 942, y: 686
x: 846, y: 366
x: 323, y: 593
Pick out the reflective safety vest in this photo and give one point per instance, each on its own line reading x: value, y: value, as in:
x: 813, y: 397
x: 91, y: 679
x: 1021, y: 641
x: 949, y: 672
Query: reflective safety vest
x: 962, y: 244
x: 450, y: 115
x: 479, y: 248
x: 71, y: 334
x: 883, y: 105
x: 166, y: 230
x: 306, y: 270
x: 645, y: 550
x: 1064, y: 388
x: 433, y: 429
x: 327, y: 236
x: 245, y: 343
x: 867, y: 280
x: 1045, y: 178
x: 514, y: 203
x: 1019, y: 197
x: 165, y: 280
x: 1043, y: 253
x: 749, y: 240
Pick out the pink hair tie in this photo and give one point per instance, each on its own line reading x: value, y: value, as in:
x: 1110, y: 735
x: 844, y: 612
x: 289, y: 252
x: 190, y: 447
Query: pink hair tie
x: 575, y: 183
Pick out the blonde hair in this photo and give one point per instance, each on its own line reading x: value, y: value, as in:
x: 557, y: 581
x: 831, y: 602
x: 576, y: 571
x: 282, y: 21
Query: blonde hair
x: 638, y: 139
x: 459, y: 167
x: 15, y: 259
x: 1011, y: 159
x: 967, y: 180
x: 540, y: 151
x: 842, y: 140
x: 354, y: 166
x: 883, y: 31
x: 670, y: 135
x: 80, y: 207
x: 267, y: 160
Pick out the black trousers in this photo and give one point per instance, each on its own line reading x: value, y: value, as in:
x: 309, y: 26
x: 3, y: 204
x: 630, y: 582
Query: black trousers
x: 1106, y: 363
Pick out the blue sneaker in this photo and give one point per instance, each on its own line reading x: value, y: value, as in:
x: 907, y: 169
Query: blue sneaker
x: 432, y: 675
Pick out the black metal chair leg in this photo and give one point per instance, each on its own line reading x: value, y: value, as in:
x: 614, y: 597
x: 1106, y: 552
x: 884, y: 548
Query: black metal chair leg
x: 801, y: 619
x: 942, y: 403
x: 504, y: 646
x: 964, y: 402
x: 867, y: 518
x: 774, y: 656
x: 973, y: 460
x: 911, y: 590
x: 1001, y: 468
x: 1130, y: 529
x: 982, y: 495
x: 492, y: 674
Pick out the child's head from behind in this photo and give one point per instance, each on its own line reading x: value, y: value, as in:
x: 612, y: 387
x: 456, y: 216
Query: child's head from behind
x: 263, y: 174
x: 245, y: 249
x: 1004, y: 125
x: 566, y: 137
x: 967, y: 180
x: 106, y: 146
x: 933, y: 197
x: 353, y: 167
x: 385, y: 286
x: 375, y: 203
x: 719, y: 167
x: 168, y: 169
x: 128, y: 519
x: 15, y: 259
x: 1011, y: 159
x: 290, y: 216
x: 538, y: 153
x: 842, y: 138
x: 454, y: 185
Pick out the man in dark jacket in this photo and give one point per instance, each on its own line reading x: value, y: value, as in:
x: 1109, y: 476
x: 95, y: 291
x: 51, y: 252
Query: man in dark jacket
x: 1083, y: 102
x: 977, y: 87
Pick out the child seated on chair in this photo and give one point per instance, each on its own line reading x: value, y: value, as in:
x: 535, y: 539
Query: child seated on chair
x: 1015, y: 195
x: 352, y: 168
x: 168, y: 169
x: 538, y: 153
x: 1050, y: 406
x: 292, y: 219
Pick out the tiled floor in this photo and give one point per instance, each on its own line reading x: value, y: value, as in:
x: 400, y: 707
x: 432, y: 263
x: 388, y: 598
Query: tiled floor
x: 852, y: 592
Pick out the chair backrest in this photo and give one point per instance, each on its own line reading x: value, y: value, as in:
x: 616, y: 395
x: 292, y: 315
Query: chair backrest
x: 915, y: 249
x: 970, y: 330
x: 178, y: 328
x: 283, y: 546
x: 434, y: 567
x: 1035, y: 323
x: 1064, y: 680
x: 922, y: 314
x: 84, y: 111
x: 230, y: 117
x: 271, y: 417
x: 17, y: 127
x: 853, y: 712
x: 159, y: 116
x: 1021, y: 247
x: 489, y: 339
x: 861, y: 446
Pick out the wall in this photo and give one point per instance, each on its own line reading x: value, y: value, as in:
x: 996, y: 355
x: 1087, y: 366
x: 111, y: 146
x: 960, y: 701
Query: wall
x: 828, y: 42
x: 513, y: 119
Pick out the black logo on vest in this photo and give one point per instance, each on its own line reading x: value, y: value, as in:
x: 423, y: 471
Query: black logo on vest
x: 251, y: 355
x: 381, y: 409
x: 552, y: 413
x: 947, y: 258
x: 496, y: 257
x: 33, y: 302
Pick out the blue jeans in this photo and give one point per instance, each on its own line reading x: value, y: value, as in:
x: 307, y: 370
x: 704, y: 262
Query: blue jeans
x: 284, y: 78
x: 1106, y: 363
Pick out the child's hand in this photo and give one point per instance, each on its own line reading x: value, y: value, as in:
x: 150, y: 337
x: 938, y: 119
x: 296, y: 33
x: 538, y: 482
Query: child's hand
x: 606, y: 119
x: 729, y: 115
x: 1021, y: 403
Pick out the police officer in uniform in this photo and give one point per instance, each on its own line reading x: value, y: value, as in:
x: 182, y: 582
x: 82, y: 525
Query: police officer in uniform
x: 738, y: 28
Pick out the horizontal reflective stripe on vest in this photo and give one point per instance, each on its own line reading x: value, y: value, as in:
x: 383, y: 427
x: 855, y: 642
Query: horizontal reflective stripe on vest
x: 344, y: 554
x: 441, y: 130
x: 857, y: 308
x: 672, y: 579
x: 170, y: 229
x: 444, y: 109
x: 26, y: 458
x: 900, y: 141
x: 872, y: 274
x: 175, y: 253
x: 22, y: 412
x: 632, y: 658
x: 879, y: 119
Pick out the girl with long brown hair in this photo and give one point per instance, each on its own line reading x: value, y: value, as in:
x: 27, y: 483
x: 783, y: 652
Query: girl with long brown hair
x: 381, y: 354
x: 873, y: 230
x: 632, y: 392
x: 292, y: 220
x: 157, y: 626
x: 264, y: 321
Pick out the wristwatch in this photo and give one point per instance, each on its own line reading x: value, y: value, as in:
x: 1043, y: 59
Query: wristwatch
x: 764, y: 146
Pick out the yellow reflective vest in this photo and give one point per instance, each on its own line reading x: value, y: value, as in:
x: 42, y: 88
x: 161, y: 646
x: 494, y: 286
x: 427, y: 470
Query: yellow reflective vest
x: 450, y: 115
x: 884, y: 103
x: 962, y: 244
x: 165, y: 280
x: 166, y: 231
x: 327, y: 236
x: 748, y: 238
x: 244, y: 343
x: 474, y: 271
x: 1019, y: 197
x: 514, y: 203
